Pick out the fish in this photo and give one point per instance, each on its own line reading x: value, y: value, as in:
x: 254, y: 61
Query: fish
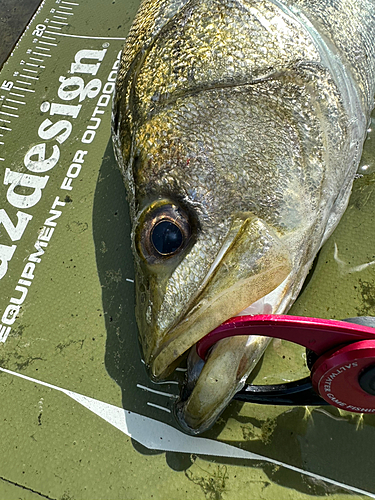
x: 238, y: 126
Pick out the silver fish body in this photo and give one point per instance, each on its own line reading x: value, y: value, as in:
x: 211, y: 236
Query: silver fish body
x: 238, y: 126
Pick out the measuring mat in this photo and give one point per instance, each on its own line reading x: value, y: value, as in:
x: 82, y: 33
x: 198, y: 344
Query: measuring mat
x: 80, y: 417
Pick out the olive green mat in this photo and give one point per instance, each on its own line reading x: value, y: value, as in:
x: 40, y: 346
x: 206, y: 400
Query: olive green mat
x: 79, y: 417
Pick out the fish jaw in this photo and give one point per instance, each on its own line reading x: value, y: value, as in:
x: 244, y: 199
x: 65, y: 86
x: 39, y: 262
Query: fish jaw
x: 210, y: 385
x: 254, y: 261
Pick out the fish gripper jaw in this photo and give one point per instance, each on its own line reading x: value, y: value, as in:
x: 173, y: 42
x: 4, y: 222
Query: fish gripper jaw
x: 342, y: 355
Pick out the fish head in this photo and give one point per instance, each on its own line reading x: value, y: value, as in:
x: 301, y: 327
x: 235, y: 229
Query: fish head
x: 207, y: 236
x: 224, y: 137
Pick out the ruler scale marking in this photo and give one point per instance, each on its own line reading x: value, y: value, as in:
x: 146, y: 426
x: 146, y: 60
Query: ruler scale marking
x: 49, y: 43
x: 90, y: 37
x: 13, y: 100
x: 39, y: 54
x: 25, y: 90
x: 9, y: 114
x: 30, y: 77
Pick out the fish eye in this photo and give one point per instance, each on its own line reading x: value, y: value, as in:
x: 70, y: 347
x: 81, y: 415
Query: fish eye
x: 166, y: 237
x: 164, y: 230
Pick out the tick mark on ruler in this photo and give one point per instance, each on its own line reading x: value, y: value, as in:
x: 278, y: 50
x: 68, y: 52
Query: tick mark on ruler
x: 17, y: 102
x: 159, y: 407
x: 25, y: 90
x: 30, y: 77
x: 89, y: 37
x: 148, y: 389
x: 49, y: 43
x: 9, y: 114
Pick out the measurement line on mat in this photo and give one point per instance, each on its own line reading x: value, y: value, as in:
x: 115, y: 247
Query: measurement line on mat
x: 30, y: 77
x: 158, y: 407
x: 25, y: 90
x: 16, y: 102
x: 160, y: 393
x: 35, y: 65
x: 8, y: 114
x: 48, y: 43
x: 88, y: 37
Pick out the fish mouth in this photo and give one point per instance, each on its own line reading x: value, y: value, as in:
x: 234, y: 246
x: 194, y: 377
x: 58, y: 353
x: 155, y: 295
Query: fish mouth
x: 252, y: 263
x: 210, y: 385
